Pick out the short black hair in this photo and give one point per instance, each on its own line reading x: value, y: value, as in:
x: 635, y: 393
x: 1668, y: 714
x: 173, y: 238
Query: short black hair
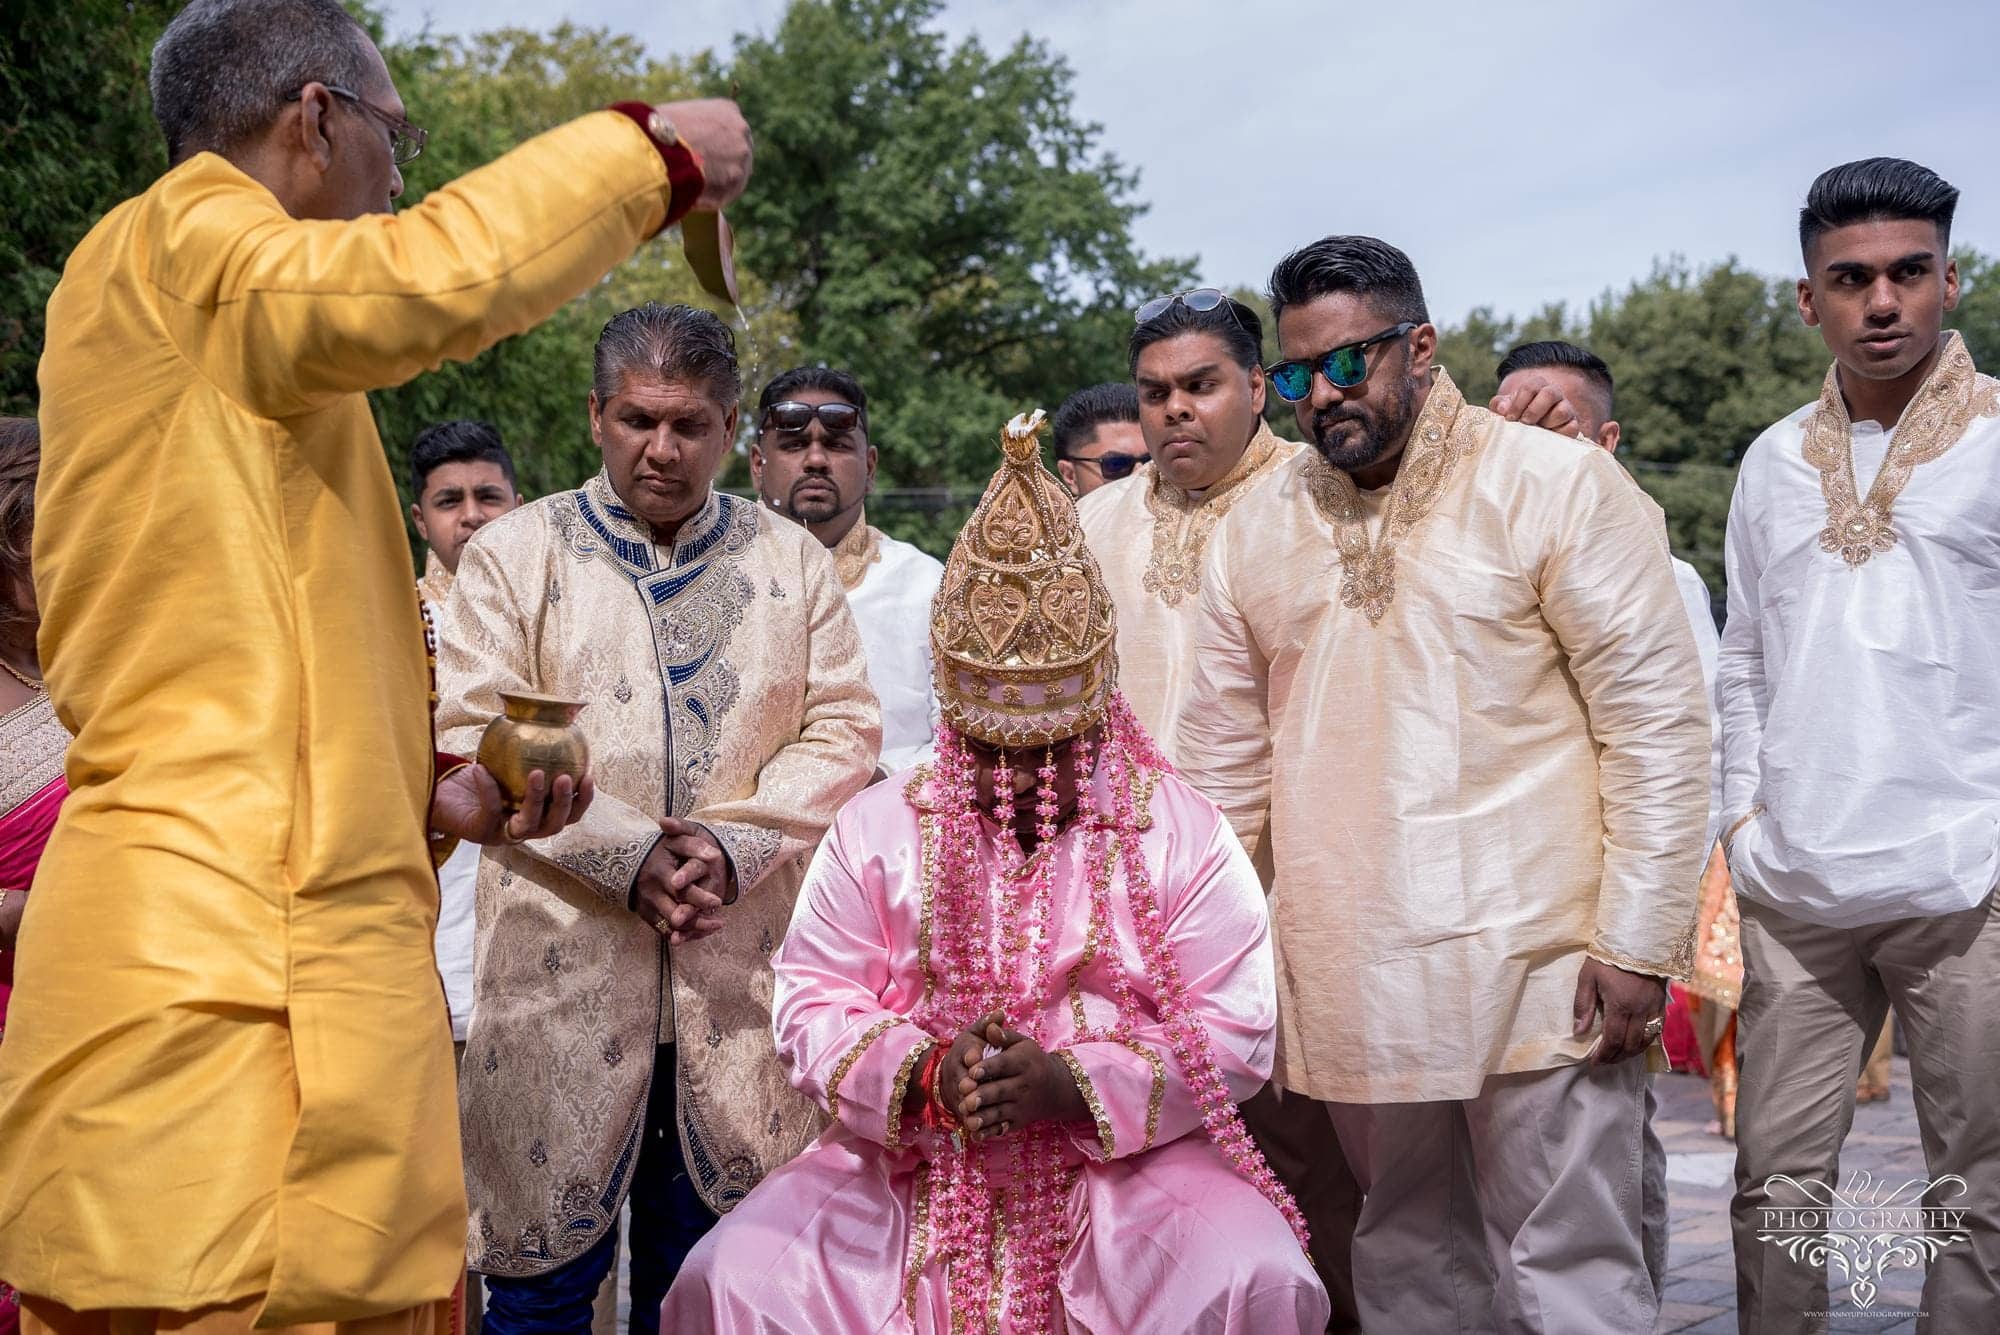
x: 671, y: 342
x: 460, y: 442
x: 825, y: 379
x: 223, y: 68
x: 1362, y: 265
x: 1079, y: 415
x: 1241, y: 332
x: 1876, y: 190
x: 1555, y: 352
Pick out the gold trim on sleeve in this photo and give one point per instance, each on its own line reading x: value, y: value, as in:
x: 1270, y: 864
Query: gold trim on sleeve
x: 892, y: 1137
x: 1106, y: 1140
x: 851, y: 1056
x: 1159, y: 1091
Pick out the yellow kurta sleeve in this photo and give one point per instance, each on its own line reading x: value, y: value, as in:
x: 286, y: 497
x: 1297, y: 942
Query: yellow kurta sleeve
x: 489, y: 641
x: 1223, y: 741
x: 1608, y: 593
x: 840, y: 737
x: 334, y: 308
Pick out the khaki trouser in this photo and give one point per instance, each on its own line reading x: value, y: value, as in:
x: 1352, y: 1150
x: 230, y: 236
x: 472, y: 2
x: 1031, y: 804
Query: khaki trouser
x: 1813, y: 997
x: 1517, y: 1211
x: 1291, y: 1132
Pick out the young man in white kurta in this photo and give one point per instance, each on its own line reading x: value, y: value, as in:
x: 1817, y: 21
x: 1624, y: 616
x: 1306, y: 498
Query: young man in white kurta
x: 1860, y: 688
x: 813, y: 463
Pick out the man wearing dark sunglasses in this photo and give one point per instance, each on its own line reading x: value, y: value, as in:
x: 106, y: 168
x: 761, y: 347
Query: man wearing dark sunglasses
x: 1443, y: 669
x: 252, y: 719
x: 1096, y: 438
x: 813, y: 462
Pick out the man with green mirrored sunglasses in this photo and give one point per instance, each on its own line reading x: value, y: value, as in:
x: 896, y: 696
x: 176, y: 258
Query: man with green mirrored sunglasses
x: 1444, y: 684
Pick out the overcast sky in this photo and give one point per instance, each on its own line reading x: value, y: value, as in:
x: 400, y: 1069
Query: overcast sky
x: 1521, y: 153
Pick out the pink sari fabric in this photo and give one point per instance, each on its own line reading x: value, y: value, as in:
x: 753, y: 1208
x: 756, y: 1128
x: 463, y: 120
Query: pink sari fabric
x: 32, y: 789
x: 1162, y: 1233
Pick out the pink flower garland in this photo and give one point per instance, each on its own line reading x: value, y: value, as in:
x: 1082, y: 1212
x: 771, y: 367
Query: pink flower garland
x: 981, y: 947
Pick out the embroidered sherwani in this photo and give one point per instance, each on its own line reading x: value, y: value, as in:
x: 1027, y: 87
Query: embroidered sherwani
x: 1481, y: 746
x: 889, y: 587
x: 1168, y: 1237
x: 725, y: 685
x: 227, y: 1078
x: 1149, y: 537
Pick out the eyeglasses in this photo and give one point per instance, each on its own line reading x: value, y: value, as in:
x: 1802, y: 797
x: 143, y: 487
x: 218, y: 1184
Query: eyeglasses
x: 1195, y: 299
x: 1114, y: 466
x: 406, y: 141
x: 1344, y: 367
x: 793, y: 416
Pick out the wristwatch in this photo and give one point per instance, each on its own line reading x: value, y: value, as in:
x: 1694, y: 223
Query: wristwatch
x: 685, y: 174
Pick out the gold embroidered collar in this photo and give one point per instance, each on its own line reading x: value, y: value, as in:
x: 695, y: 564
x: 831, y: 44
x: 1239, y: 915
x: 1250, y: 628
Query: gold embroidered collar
x: 1858, y: 527
x: 858, y: 549
x: 435, y: 585
x: 1182, y: 522
x: 1446, y: 431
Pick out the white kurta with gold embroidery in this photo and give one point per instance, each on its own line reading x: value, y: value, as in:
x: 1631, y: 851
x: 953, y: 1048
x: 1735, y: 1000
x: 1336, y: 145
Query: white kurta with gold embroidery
x: 1481, y: 753
x: 1860, y: 667
x: 1149, y: 538
x: 726, y: 686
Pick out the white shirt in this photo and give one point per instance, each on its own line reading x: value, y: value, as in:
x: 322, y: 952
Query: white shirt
x: 892, y: 606
x: 1701, y: 620
x: 1861, y: 704
x: 455, y: 926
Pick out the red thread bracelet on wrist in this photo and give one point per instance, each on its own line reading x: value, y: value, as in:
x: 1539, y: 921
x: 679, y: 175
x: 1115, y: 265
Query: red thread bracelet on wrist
x: 933, y: 1117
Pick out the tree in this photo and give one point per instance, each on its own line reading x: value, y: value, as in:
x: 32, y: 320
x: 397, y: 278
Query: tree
x: 480, y: 96
x: 940, y: 223
x: 76, y: 137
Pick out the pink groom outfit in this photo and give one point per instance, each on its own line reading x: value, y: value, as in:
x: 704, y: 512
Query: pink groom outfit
x: 1165, y: 1236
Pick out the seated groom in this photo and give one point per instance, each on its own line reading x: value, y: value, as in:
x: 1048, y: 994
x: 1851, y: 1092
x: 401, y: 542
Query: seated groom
x: 1028, y: 985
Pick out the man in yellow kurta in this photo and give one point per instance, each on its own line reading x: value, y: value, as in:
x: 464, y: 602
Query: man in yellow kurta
x: 1199, y: 366
x: 227, y: 1083
x: 621, y: 1032
x: 1443, y: 657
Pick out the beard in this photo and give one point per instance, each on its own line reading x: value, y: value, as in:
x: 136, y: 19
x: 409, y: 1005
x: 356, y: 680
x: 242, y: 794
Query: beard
x: 1369, y: 433
x: 815, y: 506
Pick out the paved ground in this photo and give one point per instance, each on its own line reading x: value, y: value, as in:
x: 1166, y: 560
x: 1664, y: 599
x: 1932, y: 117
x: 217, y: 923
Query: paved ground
x: 1700, y: 1297
x: 1701, y: 1286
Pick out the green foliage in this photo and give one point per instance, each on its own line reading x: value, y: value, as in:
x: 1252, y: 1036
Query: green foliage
x: 76, y: 137
x: 940, y: 223
x: 479, y: 96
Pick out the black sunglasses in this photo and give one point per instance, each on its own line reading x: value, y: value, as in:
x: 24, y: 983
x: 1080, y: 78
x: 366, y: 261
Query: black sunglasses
x: 793, y: 416
x: 1114, y: 465
x: 1344, y: 367
x: 406, y: 141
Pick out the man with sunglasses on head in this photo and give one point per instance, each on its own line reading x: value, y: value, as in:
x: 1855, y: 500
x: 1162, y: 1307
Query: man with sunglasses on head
x: 813, y: 463
x: 228, y: 1080
x: 1096, y: 437
x: 1443, y: 669
x: 1197, y: 364
x: 1197, y: 360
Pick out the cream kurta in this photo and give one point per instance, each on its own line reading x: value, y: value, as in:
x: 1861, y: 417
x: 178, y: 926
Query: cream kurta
x: 726, y: 686
x: 1149, y: 538
x: 1502, y: 774
x: 227, y: 1072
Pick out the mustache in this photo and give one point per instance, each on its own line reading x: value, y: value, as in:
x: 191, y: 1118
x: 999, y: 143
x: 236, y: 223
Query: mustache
x: 1326, y: 419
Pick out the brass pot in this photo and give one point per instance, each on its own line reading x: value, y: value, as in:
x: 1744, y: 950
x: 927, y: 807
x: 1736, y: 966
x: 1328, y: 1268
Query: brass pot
x: 538, y: 732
